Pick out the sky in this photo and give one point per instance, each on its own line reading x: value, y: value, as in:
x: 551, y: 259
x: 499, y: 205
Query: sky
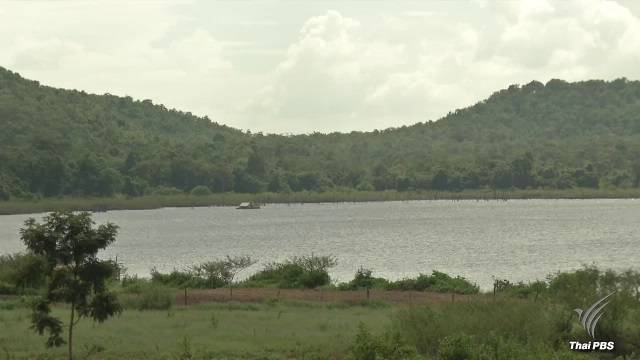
x: 316, y: 66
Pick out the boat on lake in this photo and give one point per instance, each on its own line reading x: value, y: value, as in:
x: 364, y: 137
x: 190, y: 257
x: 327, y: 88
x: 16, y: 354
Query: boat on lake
x: 248, y: 205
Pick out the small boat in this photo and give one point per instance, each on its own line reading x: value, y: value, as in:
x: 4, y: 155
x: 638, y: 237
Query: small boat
x: 248, y: 205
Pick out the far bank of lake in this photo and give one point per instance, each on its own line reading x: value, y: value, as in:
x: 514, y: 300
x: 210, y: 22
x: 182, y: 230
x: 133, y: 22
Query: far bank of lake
x: 33, y: 206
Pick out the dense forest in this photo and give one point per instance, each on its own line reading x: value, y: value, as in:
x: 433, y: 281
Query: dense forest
x: 556, y: 135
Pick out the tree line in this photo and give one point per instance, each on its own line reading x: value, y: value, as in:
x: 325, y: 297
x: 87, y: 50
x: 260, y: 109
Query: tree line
x: 557, y: 135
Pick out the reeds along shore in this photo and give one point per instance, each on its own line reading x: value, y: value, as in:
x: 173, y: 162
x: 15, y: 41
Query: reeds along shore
x: 24, y: 206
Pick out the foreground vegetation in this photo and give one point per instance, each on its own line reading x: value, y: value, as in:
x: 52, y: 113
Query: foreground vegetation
x: 556, y: 135
x: 211, y: 331
x: 514, y: 321
x: 38, y: 205
x: 521, y: 321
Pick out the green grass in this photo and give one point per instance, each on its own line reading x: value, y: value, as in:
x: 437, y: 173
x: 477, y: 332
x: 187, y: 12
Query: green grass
x: 504, y: 328
x: 18, y: 206
x: 275, y: 330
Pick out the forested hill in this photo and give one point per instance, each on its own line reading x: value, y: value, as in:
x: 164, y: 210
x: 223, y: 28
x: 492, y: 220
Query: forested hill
x: 555, y: 135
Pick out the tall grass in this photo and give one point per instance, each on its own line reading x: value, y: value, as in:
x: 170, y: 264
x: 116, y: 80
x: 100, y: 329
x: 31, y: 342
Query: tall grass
x: 18, y: 206
x: 214, y: 331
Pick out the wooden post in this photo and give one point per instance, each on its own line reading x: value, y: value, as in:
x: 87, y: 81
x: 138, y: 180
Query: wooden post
x: 368, y: 294
x: 185, y: 296
x: 453, y: 297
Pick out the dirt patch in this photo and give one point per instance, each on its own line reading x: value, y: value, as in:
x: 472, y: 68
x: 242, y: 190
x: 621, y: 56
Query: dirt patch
x: 197, y: 296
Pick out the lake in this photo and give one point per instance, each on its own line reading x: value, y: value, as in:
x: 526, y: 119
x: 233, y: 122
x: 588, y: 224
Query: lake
x: 517, y: 239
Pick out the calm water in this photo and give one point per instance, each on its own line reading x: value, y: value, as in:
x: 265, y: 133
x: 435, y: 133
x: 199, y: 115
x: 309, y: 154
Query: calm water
x: 518, y: 239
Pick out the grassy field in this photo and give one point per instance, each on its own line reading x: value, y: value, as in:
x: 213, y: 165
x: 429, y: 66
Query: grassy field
x: 504, y: 329
x: 18, y: 206
x: 283, y: 330
x: 482, y: 328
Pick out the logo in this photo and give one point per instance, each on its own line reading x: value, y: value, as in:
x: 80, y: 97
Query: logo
x: 589, y: 318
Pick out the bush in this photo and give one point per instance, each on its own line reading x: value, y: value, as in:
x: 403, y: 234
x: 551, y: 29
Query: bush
x: 523, y: 322
x: 185, y: 279
x: 207, y: 275
x: 7, y: 289
x: 521, y: 290
x: 286, y: 276
x: 200, y: 190
x: 437, y: 282
x: 148, y: 297
x: 297, y: 272
x: 21, y: 273
x: 363, y: 279
x: 386, y: 347
x: 456, y: 347
x: 23, y: 302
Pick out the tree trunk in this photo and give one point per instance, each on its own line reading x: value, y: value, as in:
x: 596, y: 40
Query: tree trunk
x: 73, y: 308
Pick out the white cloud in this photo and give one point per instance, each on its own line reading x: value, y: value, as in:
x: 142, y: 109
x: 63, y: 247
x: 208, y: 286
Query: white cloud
x: 126, y: 51
x: 325, y: 76
x: 345, y: 69
x: 342, y: 74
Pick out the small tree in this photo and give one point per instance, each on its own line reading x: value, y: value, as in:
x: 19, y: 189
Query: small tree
x: 226, y: 269
x: 363, y: 279
x: 70, y: 244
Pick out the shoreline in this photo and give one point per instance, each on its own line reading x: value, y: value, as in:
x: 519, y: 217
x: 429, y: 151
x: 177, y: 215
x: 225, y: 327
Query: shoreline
x: 14, y: 207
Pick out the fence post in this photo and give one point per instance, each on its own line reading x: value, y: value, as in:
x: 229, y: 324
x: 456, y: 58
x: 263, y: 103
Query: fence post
x: 453, y: 297
x: 368, y: 294
x: 185, y: 296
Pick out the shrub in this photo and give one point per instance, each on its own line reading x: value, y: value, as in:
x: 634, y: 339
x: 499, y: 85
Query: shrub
x: 363, y: 279
x: 207, y: 275
x: 182, y: 279
x: 297, y: 272
x: 149, y: 297
x: 437, y: 282
x: 200, y: 190
x: 455, y: 347
x: 23, y: 302
x: 521, y: 290
x: 7, y: 289
x: 20, y: 273
x: 386, y: 347
x: 523, y: 322
x: 223, y: 271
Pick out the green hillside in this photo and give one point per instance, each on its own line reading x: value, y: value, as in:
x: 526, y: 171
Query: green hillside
x: 557, y: 135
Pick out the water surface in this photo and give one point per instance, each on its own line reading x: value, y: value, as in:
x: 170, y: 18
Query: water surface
x: 518, y: 239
